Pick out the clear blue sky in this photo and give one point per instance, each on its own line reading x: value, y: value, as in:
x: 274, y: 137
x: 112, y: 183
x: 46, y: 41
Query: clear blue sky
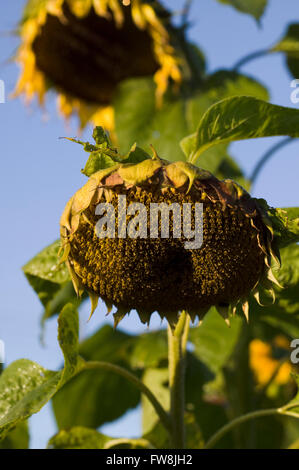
x: 40, y: 172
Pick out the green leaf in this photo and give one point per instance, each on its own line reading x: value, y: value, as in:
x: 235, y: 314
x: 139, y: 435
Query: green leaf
x: 284, y: 313
x: 68, y: 336
x: 157, y: 381
x: 255, y: 8
x: 97, y: 161
x: 18, y: 438
x: 294, y: 408
x: 149, y: 350
x: 25, y: 386
x: 50, y: 280
x: 136, y: 155
x: 80, y: 437
x: 289, y: 45
x: 86, y: 393
x: 213, y: 341
x: 239, y: 118
x: 100, y: 137
x: 285, y: 223
x: 138, y: 118
x: 218, y: 86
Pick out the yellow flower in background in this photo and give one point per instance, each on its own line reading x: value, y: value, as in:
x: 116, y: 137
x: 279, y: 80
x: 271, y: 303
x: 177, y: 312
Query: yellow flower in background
x: 83, y: 48
x: 263, y: 363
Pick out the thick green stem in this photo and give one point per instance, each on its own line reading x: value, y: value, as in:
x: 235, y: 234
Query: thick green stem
x: 177, y: 341
x: 252, y: 56
x: 266, y: 157
x: 248, y: 416
x: 164, y: 417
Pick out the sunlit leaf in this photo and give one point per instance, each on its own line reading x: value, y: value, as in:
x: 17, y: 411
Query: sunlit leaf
x: 240, y: 118
x: 25, y: 386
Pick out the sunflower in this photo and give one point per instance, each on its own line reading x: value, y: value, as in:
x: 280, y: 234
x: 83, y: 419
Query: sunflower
x: 83, y: 48
x: 265, y: 365
x: 143, y: 269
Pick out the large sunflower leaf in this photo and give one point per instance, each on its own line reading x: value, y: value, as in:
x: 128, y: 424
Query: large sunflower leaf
x: 289, y: 45
x: 240, y: 118
x: 135, y: 353
x: 255, y: 8
x: 86, y: 393
x: 25, y: 386
x: 138, y: 118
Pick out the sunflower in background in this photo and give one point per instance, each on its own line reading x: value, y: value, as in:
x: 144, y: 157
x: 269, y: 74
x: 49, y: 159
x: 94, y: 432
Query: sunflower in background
x: 83, y: 48
x: 270, y: 362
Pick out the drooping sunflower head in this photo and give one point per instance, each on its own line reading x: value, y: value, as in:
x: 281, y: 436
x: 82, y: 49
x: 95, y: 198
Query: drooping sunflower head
x: 166, y: 236
x: 84, y: 48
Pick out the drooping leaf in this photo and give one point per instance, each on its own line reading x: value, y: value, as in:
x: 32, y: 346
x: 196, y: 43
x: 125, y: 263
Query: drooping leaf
x: 240, y: 118
x: 25, y: 386
x: 97, y: 161
x: 50, y: 280
x: 289, y: 45
x: 255, y: 8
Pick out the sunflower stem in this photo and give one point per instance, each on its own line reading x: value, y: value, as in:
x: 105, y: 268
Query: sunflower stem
x: 163, y: 415
x: 248, y: 58
x: 252, y: 415
x: 177, y: 342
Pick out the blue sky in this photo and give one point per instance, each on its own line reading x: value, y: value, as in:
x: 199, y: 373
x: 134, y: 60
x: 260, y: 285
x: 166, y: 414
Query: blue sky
x: 40, y: 173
